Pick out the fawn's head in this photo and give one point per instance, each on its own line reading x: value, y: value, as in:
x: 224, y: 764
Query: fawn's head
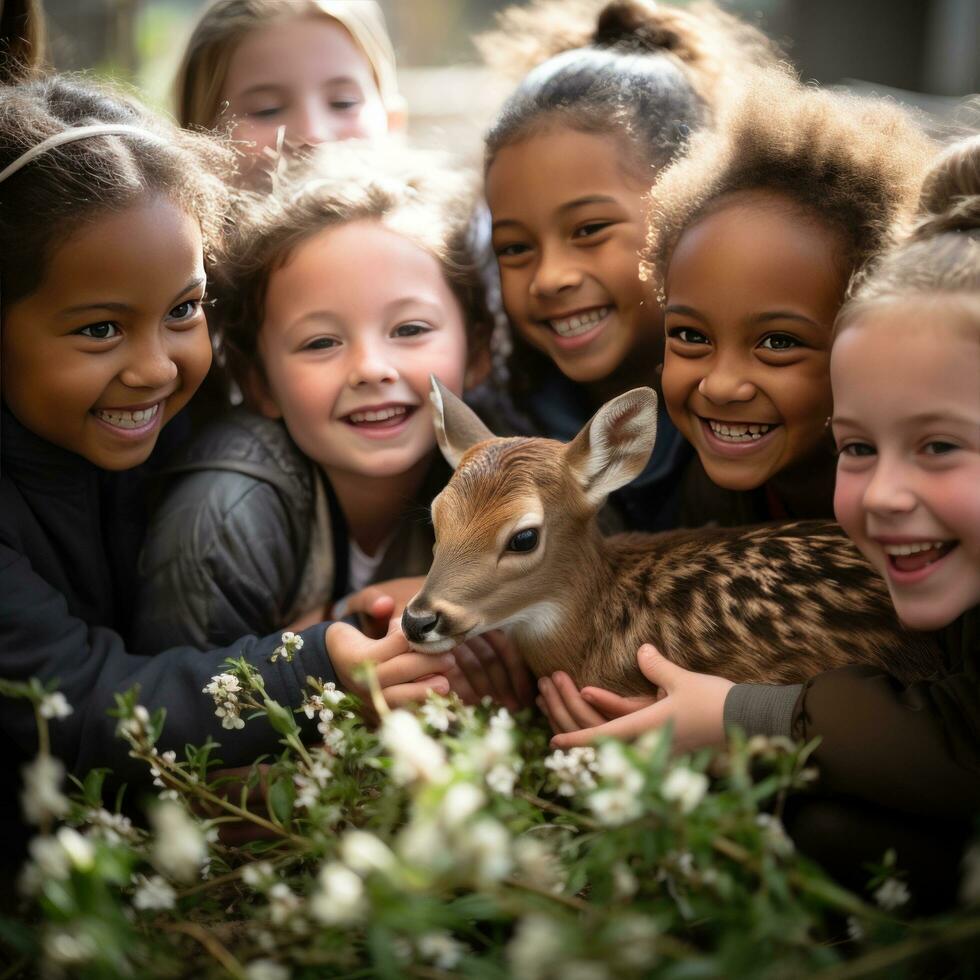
x: 513, y: 523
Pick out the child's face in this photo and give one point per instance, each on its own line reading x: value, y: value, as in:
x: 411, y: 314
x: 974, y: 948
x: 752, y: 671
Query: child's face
x: 752, y: 291
x: 907, y: 422
x: 114, y: 342
x: 568, y: 226
x: 355, y: 323
x: 307, y: 74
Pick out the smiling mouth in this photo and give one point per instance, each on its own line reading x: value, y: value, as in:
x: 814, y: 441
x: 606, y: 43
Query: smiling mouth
x: 579, y: 323
x: 739, y: 432
x: 912, y: 556
x: 124, y: 418
x: 379, y: 418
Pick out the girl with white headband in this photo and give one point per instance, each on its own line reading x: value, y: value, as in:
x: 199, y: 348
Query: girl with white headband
x: 109, y: 217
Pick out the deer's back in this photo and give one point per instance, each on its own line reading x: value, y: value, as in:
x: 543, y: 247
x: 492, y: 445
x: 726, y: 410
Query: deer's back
x: 768, y: 604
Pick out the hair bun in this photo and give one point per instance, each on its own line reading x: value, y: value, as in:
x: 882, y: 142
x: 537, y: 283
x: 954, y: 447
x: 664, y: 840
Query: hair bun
x: 950, y: 199
x: 646, y: 25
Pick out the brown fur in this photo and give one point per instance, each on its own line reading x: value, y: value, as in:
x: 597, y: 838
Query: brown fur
x: 765, y: 604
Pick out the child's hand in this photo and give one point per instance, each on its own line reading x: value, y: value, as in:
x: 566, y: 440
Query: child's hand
x: 568, y: 709
x: 490, y: 666
x: 378, y: 604
x: 405, y: 677
x: 694, y: 702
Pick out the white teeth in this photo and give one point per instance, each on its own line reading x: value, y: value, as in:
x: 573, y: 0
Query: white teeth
x: 381, y: 415
x: 580, y: 323
x: 123, y: 419
x: 912, y: 549
x: 739, y: 431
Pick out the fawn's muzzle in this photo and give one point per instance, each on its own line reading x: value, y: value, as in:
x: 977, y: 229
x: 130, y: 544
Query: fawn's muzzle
x: 415, y: 625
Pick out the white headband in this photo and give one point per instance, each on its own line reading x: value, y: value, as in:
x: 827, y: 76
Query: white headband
x: 69, y: 136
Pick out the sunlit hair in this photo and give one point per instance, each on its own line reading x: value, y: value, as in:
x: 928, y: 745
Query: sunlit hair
x: 941, y: 258
x: 225, y: 23
x: 417, y: 194
x: 69, y: 185
x: 853, y: 163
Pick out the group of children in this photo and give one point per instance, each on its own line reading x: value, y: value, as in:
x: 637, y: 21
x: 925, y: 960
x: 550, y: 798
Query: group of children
x: 796, y: 271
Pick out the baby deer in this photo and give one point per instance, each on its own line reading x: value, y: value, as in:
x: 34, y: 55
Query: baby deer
x: 518, y: 547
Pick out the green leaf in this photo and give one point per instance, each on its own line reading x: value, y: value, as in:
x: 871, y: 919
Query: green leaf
x: 280, y: 718
x: 281, y: 796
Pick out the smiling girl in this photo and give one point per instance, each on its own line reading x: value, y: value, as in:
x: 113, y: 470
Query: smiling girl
x: 569, y: 161
x: 756, y: 235
x: 340, y: 294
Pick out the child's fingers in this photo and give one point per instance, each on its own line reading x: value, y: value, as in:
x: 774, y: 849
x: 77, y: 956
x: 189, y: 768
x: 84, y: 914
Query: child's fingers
x: 407, y: 667
x: 522, y: 681
x: 584, y: 715
x: 561, y: 717
x: 472, y: 666
x: 626, y: 727
x: 459, y: 684
x: 399, y: 695
x: 493, y: 666
x: 379, y: 651
x: 613, y: 705
x: 544, y: 709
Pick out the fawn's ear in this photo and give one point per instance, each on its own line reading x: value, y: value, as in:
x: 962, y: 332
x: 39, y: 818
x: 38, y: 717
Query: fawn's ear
x: 615, y: 444
x: 457, y: 426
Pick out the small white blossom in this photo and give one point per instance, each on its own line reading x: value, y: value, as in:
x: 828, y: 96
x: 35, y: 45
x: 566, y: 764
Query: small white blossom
x: 614, y: 767
x: 339, y: 896
x: 855, y: 930
x: 312, y: 705
x: 153, y: 893
x: 441, y: 950
x: 157, y: 770
x: 69, y: 948
x: 422, y: 844
x: 266, y: 970
x: 461, y: 801
x: 113, y: 827
x: 168, y: 794
x: 537, y: 948
x: 437, y: 715
x: 538, y: 864
x: 54, y: 705
x: 416, y: 757
x: 625, y: 884
x: 225, y: 688
x: 488, y: 845
x: 774, y: 835
x: 502, y: 779
x: 331, y: 695
x: 258, y: 875
x: 615, y: 805
x: 41, y: 797
x: 290, y: 646
x: 312, y: 780
x: 363, y: 852
x: 686, y: 787
x: 325, y: 724
x: 54, y: 857
x: 283, y: 904
x: 574, y: 770
x: 892, y: 894
x: 179, y: 850
x: 136, y: 726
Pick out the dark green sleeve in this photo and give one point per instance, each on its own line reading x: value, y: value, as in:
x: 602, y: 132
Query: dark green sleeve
x: 762, y: 709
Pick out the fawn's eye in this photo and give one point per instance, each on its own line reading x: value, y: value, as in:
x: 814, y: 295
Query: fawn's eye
x: 524, y: 541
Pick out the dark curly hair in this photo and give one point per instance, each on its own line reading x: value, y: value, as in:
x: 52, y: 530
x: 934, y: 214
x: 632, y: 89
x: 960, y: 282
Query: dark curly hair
x: 854, y: 163
x: 69, y: 185
x: 415, y: 193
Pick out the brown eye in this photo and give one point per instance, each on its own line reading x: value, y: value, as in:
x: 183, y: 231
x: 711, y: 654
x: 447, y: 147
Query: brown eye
x: 524, y: 541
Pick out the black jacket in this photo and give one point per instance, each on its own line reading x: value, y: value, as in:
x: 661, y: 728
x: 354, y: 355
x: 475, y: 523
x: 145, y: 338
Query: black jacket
x: 70, y: 534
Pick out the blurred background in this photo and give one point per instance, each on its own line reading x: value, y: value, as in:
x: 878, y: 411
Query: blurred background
x: 926, y: 52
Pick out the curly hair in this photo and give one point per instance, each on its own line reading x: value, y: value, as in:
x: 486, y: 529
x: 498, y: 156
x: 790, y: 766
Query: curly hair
x: 942, y: 255
x: 414, y: 193
x: 854, y: 163
x: 68, y: 185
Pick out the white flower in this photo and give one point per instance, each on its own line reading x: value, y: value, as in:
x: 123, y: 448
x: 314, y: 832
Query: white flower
x: 615, y: 805
x: 501, y: 779
x: 891, y: 894
x: 573, y: 770
x: 970, y: 882
x: 686, y: 787
x: 41, y: 797
x: 266, y: 970
x: 136, y: 726
x: 339, y: 897
x: 855, y: 930
x: 168, y: 794
x: 69, y: 948
x: 461, y: 801
x: 179, y: 850
x: 157, y: 770
x: 774, y: 835
x: 538, y: 865
x: 153, y: 893
x: 230, y: 717
x: 325, y: 723
x: 331, y: 695
x: 363, y: 852
x: 614, y: 767
x: 258, y: 875
x: 488, y: 845
x: 440, y: 949
x: 625, y: 884
x: 283, y: 904
x: 291, y: 644
x: 223, y: 687
x: 416, y: 756
x: 114, y: 827
x: 422, y: 844
x: 536, y: 949
x: 312, y: 705
x: 314, y: 779
x: 54, y: 705
x: 54, y: 857
x: 437, y: 715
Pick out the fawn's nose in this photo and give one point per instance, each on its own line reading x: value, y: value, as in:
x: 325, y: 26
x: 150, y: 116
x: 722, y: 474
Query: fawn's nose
x: 416, y: 624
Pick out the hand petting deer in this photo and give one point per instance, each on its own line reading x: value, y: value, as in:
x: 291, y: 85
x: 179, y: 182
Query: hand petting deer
x: 518, y: 548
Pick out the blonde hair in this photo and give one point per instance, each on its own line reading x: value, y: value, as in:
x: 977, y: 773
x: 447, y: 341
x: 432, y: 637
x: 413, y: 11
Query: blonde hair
x: 854, y: 163
x: 942, y: 255
x: 221, y: 28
